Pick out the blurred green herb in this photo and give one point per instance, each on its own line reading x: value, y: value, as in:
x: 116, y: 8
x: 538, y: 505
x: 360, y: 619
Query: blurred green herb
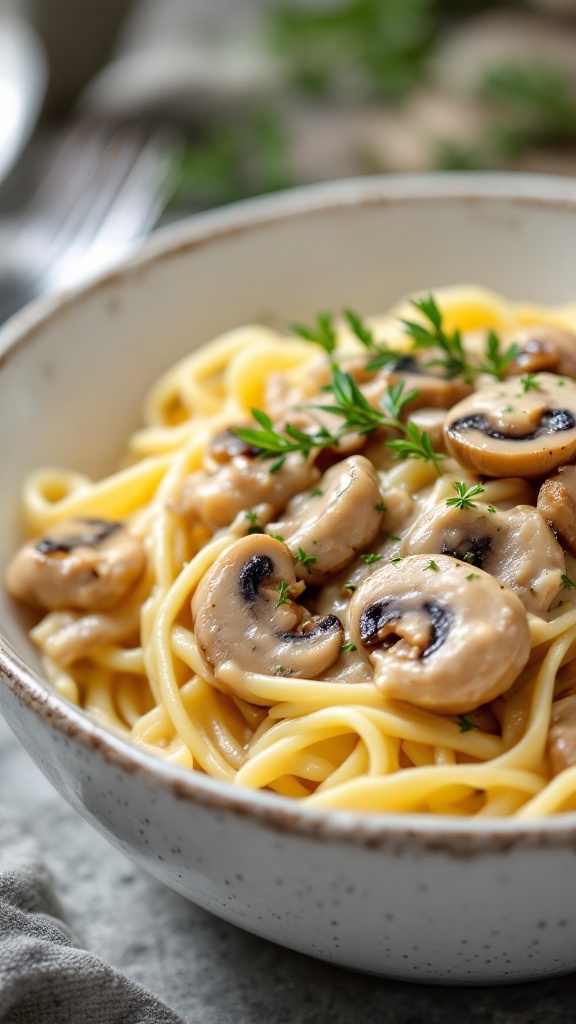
x: 231, y: 162
x: 382, y: 45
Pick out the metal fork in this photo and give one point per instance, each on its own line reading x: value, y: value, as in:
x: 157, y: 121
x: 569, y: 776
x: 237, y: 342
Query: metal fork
x: 105, y: 189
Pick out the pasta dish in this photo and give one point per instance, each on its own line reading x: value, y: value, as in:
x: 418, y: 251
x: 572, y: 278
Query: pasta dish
x: 337, y: 562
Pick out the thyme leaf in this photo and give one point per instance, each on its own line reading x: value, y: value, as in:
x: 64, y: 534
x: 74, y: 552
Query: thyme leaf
x: 322, y: 333
x: 433, y: 335
x: 496, y: 362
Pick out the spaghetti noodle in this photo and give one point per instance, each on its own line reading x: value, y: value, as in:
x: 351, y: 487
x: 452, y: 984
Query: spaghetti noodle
x: 193, y: 489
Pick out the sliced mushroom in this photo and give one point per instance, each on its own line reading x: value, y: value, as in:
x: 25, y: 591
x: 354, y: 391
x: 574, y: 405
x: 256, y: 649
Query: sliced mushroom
x: 82, y: 563
x: 562, y: 734
x: 334, y: 521
x: 446, y: 639
x: 516, y: 547
x: 557, y: 503
x: 241, y: 484
x: 514, y: 428
x: 245, y: 616
x: 544, y: 347
x: 435, y: 390
x: 226, y: 444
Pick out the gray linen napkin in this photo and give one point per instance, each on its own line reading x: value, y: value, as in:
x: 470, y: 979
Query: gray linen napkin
x: 45, y: 978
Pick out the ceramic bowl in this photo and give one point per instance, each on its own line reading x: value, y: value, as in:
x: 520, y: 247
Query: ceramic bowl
x: 410, y: 897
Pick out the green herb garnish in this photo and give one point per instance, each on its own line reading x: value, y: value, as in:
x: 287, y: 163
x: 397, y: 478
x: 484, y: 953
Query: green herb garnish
x: 348, y: 647
x: 271, y: 443
x: 254, y: 525
x: 464, y: 496
x: 530, y: 383
x: 416, y: 445
x: 323, y: 332
x: 496, y: 362
x: 303, y: 558
x: 453, y: 358
x: 371, y: 558
x: 432, y: 566
x: 283, y: 596
x: 465, y: 724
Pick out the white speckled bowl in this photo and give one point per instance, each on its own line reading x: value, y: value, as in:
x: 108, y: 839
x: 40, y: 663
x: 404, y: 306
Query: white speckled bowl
x: 409, y: 897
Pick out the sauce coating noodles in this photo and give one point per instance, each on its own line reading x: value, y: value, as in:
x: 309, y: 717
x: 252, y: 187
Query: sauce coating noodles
x: 336, y: 739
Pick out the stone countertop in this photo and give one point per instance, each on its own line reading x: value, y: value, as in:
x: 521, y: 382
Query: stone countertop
x: 211, y: 972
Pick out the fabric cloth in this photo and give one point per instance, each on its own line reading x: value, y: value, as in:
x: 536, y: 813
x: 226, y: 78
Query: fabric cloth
x: 44, y: 975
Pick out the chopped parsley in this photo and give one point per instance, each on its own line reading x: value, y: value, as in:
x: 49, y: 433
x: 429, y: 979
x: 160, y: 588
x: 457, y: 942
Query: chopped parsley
x: 465, y: 724
x: 530, y: 382
x: 347, y: 648
x: 283, y: 596
x: 371, y: 558
x: 432, y: 566
x: 303, y: 558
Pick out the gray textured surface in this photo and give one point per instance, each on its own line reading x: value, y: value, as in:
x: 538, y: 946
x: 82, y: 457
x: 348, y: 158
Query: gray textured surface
x: 209, y: 971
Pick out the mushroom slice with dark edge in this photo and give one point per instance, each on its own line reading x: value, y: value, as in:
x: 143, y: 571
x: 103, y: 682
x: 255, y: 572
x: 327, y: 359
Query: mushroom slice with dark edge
x: 521, y: 427
x: 447, y: 639
x: 245, y: 616
x: 434, y: 389
x: 562, y: 734
x: 543, y: 347
x: 83, y: 563
x: 334, y: 521
x: 557, y: 503
x: 517, y: 547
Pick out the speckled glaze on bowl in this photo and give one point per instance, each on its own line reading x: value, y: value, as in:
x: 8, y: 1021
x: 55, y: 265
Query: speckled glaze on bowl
x: 410, y: 897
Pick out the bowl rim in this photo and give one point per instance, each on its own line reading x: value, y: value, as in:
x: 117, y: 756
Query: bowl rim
x: 270, y: 809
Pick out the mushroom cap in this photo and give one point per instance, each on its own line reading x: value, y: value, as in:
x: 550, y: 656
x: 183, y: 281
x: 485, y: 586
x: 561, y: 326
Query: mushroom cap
x: 557, y: 503
x: 435, y: 390
x: 502, y: 430
x: 332, y: 526
x: 562, y: 734
x: 517, y: 547
x: 243, y: 620
x: 544, y: 347
x: 446, y: 639
x: 83, y: 563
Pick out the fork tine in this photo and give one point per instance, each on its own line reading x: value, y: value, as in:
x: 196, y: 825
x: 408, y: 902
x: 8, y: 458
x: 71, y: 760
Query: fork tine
x: 106, y: 187
x: 134, y: 181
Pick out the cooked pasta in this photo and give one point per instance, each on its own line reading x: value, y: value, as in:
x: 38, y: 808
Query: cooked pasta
x: 377, y: 614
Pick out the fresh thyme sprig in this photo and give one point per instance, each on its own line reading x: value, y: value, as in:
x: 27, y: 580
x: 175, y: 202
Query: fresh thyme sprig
x: 465, y: 495
x: 358, y: 417
x: 496, y: 362
x: 355, y: 409
x: 453, y: 358
x: 382, y: 355
x: 416, y: 445
x: 352, y: 405
x: 323, y: 332
x: 270, y: 442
